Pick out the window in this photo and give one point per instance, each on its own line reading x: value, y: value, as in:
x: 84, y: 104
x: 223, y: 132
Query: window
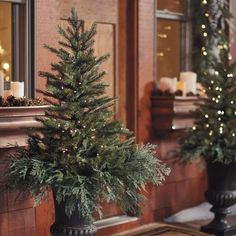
x: 172, y: 34
x: 17, y: 44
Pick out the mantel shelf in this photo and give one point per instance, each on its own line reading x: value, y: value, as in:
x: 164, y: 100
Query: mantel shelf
x: 173, y: 113
x: 15, y: 120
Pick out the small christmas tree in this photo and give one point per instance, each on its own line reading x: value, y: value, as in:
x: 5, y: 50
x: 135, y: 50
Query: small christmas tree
x: 214, y: 135
x: 81, y: 152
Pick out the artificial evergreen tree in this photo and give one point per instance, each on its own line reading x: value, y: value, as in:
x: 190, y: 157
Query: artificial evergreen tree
x: 214, y: 134
x: 81, y: 152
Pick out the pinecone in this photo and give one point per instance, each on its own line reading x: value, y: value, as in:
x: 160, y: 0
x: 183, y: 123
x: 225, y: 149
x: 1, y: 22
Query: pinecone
x: 1, y: 101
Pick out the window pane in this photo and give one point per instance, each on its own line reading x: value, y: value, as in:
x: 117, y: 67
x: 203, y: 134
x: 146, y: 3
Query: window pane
x: 168, y: 48
x: 171, y: 5
x: 6, y: 39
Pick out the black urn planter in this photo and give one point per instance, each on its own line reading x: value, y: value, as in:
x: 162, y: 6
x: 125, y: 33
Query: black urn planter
x: 70, y: 226
x: 221, y: 194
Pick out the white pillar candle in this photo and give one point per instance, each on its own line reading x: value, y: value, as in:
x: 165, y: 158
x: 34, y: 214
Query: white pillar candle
x: 190, y: 78
x: 17, y: 89
x: 168, y: 84
x: 1, y: 84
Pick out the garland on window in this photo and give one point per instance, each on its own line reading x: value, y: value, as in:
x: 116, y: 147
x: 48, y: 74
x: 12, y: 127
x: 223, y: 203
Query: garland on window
x: 214, y: 134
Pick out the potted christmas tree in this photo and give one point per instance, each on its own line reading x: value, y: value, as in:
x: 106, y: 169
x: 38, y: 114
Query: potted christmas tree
x: 213, y: 137
x: 81, y: 152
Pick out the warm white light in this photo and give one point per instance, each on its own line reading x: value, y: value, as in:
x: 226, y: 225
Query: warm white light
x: 2, y: 51
x: 194, y: 128
x: 216, y: 72
x: 217, y: 101
x: 207, y: 125
x: 205, y: 53
x: 206, y: 116
x: 205, y: 34
x: 217, y: 88
x: 232, y: 102
x: 219, y: 112
x: 203, y: 27
x: 233, y: 134
x: 204, y: 2
x: 206, y: 14
x: 6, y: 66
x: 210, y: 133
x: 212, y: 82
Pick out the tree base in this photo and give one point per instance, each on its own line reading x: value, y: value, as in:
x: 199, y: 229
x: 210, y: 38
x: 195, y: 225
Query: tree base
x: 77, y: 230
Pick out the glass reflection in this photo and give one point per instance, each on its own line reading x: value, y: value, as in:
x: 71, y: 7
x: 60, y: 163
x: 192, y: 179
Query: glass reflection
x: 171, y: 5
x: 168, y: 48
x: 6, y: 39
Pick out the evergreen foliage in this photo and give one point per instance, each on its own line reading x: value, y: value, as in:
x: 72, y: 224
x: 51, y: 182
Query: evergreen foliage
x: 214, y: 134
x: 81, y: 152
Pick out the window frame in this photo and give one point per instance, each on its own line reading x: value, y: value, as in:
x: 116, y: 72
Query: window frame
x: 23, y: 43
x: 185, y: 32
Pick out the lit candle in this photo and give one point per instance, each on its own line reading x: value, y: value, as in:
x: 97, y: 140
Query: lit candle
x: 190, y: 79
x: 200, y: 89
x: 17, y: 89
x: 7, y: 93
x: 181, y: 85
x: 1, y: 84
x: 168, y: 84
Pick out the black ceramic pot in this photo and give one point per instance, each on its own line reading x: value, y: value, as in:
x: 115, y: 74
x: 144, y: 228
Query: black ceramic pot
x: 70, y: 226
x: 221, y: 194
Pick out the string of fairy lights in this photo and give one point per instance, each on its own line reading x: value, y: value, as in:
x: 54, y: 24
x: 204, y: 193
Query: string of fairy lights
x: 210, y: 32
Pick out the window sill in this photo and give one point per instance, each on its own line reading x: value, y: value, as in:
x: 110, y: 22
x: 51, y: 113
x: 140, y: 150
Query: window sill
x: 14, y: 121
x: 173, y: 113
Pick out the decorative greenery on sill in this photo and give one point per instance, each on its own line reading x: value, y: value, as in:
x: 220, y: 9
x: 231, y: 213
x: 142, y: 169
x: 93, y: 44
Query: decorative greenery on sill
x: 158, y: 92
x: 12, y: 101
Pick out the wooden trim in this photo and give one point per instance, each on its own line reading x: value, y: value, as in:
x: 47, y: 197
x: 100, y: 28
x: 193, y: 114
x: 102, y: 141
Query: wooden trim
x: 14, y: 1
x: 121, y: 67
x: 10, y: 112
x: 173, y: 113
x: 132, y: 65
x: 159, y: 229
x: 14, y: 122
